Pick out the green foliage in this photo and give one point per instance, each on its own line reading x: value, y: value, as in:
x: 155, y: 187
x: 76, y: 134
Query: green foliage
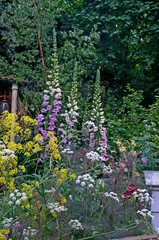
x: 124, y: 120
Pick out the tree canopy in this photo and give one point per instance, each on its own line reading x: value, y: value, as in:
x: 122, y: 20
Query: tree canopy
x: 120, y: 37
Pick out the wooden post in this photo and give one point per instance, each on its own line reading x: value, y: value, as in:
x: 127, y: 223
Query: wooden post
x: 14, y: 98
x: 14, y: 104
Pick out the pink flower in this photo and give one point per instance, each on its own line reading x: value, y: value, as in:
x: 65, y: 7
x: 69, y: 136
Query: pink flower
x: 58, y: 95
x: 144, y: 160
x: 49, y: 107
x: 46, y: 97
x: 131, y: 188
x: 45, y: 104
x: 43, y: 110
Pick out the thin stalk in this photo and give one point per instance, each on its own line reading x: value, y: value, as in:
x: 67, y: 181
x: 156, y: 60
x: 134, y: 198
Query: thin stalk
x: 40, y: 42
x: 46, y: 211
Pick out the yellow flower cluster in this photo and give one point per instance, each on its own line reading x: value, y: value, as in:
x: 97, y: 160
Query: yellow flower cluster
x: 8, y: 166
x: 62, y: 174
x: 9, y: 127
x: 28, y: 189
x: 29, y: 122
x: 53, y: 147
x: 123, y: 149
x: 9, y: 150
x: 38, y: 138
x: 4, y: 232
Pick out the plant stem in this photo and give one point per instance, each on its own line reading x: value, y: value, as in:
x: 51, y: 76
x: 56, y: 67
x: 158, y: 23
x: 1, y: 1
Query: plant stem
x: 40, y: 42
x: 46, y: 211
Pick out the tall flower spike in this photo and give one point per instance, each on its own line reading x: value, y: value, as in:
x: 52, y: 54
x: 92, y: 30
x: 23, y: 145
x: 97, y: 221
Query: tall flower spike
x: 51, y: 99
x: 71, y: 114
x: 97, y: 117
x: 52, y: 95
x: 97, y: 114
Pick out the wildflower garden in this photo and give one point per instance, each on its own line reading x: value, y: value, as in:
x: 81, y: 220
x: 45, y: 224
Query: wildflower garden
x: 72, y: 167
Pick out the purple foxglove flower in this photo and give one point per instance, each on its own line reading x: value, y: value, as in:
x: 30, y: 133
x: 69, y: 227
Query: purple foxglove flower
x: 58, y: 95
x: 53, y: 118
x: 40, y: 160
x: 41, y: 155
x: 58, y: 107
x: 43, y: 110
x: 56, y: 102
x: 45, y: 154
x: 62, y: 125
x: 40, y: 117
x: 46, y: 97
x: 50, y: 128
x: 55, y: 112
x: 40, y: 123
x: 44, y: 132
x: 64, y: 141
x: 44, y: 137
x: 74, y: 120
x: 75, y: 114
x: 52, y: 122
x: 41, y: 129
x: 49, y: 107
x: 70, y: 123
x: 44, y: 104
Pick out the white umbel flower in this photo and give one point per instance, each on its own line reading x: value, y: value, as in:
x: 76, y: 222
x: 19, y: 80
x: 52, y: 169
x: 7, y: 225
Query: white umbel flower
x: 75, y: 224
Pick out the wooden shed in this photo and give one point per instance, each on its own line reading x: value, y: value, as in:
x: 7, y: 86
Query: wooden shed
x: 8, y: 94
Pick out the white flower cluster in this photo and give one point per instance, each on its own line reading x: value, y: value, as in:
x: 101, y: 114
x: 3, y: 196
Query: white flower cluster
x: 16, y: 197
x: 91, y: 126
x: 101, y: 149
x: 143, y: 196
x: 94, y: 156
x: 55, y: 207
x: 6, y: 153
x: 107, y: 169
x: 85, y: 180
x: 145, y: 213
x: 112, y: 195
x: 75, y: 224
x: 29, y: 232
x: 50, y: 191
x: 67, y: 151
x: 7, y: 222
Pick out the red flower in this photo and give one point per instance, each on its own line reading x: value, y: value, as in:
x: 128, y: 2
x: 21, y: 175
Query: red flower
x: 131, y: 188
x: 129, y: 192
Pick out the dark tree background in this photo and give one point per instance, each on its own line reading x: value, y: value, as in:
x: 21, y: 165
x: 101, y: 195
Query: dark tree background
x: 120, y: 37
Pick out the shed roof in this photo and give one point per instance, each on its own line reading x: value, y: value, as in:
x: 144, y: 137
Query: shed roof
x: 11, y: 80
